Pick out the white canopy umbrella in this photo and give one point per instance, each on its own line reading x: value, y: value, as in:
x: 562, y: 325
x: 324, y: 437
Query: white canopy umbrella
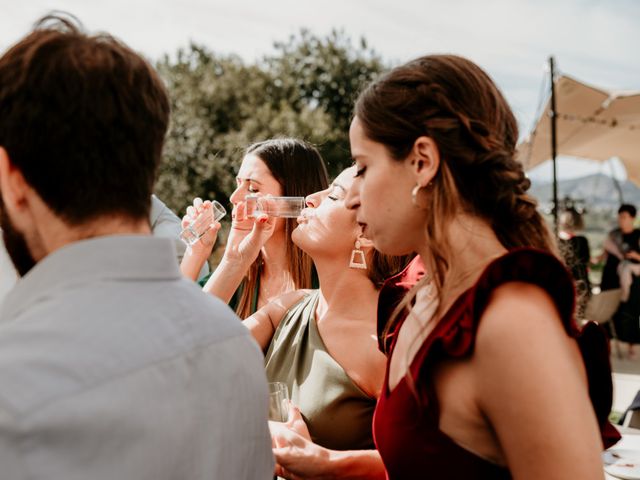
x: 591, y: 123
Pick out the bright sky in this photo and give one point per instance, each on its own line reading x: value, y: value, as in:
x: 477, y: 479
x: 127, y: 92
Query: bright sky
x: 593, y: 40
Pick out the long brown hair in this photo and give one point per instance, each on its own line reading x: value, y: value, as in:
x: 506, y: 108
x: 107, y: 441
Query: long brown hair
x: 455, y: 103
x: 299, y: 169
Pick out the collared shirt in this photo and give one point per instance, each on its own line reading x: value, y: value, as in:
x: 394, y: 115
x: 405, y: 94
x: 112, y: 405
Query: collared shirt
x: 112, y: 366
x: 7, y: 272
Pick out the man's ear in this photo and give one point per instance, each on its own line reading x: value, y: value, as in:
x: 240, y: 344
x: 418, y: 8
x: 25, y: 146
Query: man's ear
x: 424, y: 160
x: 13, y: 185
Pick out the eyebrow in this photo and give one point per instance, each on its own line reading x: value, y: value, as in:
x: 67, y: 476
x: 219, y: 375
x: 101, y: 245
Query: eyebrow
x: 334, y: 185
x: 249, y: 180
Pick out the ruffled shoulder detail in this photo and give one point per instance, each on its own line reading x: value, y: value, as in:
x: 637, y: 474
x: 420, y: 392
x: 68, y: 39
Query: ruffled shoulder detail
x: 455, y: 334
x: 534, y: 267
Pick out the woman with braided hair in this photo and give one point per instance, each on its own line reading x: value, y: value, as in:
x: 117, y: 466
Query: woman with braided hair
x: 488, y: 375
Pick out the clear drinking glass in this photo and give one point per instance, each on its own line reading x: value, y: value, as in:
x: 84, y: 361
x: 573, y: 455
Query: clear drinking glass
x: 285, y: 207
x: 196, y: 229
x: 278, y: 402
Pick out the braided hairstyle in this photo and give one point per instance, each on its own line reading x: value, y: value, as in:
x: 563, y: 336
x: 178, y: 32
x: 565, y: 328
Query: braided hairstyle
x: 455, y: 103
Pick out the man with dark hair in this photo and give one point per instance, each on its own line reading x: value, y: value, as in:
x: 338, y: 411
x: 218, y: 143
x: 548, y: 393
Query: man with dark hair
x: 111, y: 364
x: 622, y: 243
x: 628, y: 208
x: 621, y: 270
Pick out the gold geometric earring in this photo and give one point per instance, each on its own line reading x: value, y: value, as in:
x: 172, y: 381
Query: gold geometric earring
x: 358, y: 259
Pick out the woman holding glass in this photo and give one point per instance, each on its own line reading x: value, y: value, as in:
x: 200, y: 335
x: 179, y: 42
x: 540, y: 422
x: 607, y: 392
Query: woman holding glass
x: 487, y: 376
x: 323, y: 343
x: 260, y: 261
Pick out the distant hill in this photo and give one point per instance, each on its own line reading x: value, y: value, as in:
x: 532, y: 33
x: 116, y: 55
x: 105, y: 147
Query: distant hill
x: 597, y: 191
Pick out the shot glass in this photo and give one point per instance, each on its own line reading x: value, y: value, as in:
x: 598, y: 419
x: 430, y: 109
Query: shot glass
x: 285, y: 207
x: 278, y: 402
x: 196, y: 229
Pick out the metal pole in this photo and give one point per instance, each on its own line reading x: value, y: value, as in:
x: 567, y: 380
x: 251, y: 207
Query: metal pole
x: 616, y: 183
x: 553, y: 148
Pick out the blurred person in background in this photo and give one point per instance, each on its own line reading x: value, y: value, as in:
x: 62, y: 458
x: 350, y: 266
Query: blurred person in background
x: 576, y: 253
x: 621, y: 270
x: 622, y: 243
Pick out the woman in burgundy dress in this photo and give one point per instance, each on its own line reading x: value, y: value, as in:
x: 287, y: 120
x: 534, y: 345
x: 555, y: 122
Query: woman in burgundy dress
x: 488, y: 375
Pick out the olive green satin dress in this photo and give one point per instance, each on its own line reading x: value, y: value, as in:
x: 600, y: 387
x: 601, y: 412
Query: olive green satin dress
x: 337, y: 412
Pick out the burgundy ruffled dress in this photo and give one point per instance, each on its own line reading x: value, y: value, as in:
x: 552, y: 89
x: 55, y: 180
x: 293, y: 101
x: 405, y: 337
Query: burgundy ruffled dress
x: 406, y: 428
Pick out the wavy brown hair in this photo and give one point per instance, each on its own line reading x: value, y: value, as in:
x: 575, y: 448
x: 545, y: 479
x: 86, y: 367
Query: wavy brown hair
x: 455, y: 103
x: 299, y: 169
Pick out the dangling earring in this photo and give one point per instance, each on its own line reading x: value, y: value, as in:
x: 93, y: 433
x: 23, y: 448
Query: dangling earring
x: 358, y: 259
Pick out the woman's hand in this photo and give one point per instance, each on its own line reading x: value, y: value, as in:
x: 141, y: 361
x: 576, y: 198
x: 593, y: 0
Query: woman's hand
x: 246, y: 238
x: 197, y: 254
x: 197, y: 212
x: 248, y: 235
x: 296, y: 423
x: 297, y: 457
x: 633, y: 255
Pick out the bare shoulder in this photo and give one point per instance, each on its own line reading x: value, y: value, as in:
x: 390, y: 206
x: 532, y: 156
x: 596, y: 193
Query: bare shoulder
x: 276, y: 309
x: 515, y: 310
x: 265, y: 321
x: 530, y: 384
x: 287, y: 300
x: 521, y: 336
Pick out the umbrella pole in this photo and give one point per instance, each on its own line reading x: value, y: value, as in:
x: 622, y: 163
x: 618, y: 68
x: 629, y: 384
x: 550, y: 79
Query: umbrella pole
x: 552, y: 113
x: 616, y: 183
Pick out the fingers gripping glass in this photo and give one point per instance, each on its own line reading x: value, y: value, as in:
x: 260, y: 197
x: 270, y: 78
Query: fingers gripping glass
x: 198, y: 227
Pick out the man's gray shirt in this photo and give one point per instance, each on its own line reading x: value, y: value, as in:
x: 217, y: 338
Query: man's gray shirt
x: 112, y: 366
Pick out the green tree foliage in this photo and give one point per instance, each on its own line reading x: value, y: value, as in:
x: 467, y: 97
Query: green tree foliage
x: 221, y: 104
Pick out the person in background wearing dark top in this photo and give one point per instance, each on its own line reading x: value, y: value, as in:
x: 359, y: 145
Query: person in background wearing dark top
x: 622, y: 242
x: 622, y: 265
x: 576, y: 253
x: 260, y: 261
x: 488, y: 365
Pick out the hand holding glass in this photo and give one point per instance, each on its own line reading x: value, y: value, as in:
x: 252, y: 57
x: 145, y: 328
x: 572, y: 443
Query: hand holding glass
x: 278, y: 402
x: 201, y: 224
x: 285, y: 207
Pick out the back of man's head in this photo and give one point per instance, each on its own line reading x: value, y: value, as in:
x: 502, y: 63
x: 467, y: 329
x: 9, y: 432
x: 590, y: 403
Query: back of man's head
x: 84, y: 118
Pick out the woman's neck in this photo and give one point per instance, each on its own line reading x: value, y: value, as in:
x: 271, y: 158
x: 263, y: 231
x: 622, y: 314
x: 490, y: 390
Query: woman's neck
x: 344, y: 292
x: 275, y: 276
x: 274, y: 255
x: 473, y: 245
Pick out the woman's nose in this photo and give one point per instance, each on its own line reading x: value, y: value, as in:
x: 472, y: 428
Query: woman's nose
x: 238, y: 195
x: 311, y: 201
x: 352, y: 199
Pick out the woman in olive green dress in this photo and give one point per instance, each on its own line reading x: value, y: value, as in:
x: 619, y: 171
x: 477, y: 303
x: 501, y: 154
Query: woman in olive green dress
x: 323, y: 343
